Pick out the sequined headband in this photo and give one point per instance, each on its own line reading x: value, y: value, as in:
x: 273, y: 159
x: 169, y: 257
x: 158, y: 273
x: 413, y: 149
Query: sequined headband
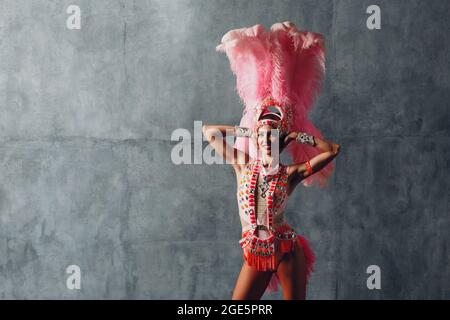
x: 275, y: 124
x: 285, y: 113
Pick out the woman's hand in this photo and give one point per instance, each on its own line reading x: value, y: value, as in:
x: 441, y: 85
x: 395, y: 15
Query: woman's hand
x: 243, y: 132
x: 291, y: 136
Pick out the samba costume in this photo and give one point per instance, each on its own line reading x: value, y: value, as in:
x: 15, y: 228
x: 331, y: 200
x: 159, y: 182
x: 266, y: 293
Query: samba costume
x: 280, y: 69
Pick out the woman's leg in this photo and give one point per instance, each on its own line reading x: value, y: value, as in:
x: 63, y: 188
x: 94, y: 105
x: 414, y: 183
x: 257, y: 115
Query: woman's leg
x: 291, y: 272
x: 251, y: 283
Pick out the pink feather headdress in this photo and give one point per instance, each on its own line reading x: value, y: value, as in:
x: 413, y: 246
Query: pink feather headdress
x: 284, y: 67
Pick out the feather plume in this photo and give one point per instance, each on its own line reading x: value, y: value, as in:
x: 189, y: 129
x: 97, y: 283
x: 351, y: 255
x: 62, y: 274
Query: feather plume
x: 287, y: 64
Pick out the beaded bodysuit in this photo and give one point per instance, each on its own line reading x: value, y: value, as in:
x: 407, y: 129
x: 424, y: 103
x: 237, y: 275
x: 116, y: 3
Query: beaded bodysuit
x: 262, y: 198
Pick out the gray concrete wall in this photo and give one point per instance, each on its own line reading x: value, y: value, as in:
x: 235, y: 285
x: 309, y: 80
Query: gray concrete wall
x: 85, y: 132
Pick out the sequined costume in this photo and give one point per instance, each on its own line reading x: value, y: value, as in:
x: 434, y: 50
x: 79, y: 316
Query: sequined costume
x: 266, y: 234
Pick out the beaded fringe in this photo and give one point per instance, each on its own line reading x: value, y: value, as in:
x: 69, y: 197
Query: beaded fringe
x: 259, y: 262
x: 268, y: 263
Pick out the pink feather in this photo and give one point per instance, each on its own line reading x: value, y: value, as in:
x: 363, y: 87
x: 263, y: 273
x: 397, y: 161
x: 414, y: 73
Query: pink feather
x: 286, y: 63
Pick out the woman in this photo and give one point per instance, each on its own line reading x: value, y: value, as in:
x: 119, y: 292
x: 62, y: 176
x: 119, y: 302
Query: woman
x: 278, y: 74
x: 291, y: 260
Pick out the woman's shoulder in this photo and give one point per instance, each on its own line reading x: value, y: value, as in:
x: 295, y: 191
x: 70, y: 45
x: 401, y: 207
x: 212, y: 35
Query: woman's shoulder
x: 240, y: 168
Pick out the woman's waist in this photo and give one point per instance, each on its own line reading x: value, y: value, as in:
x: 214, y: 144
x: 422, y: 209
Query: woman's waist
x: 263, y: 236
x: 281, y: 227
x: 278, y: 218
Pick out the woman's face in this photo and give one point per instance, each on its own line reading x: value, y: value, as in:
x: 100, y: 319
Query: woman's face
x: 265, y: 140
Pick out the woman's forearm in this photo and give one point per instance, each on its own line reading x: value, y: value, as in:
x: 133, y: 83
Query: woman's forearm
x: 221, y: 132
x: 326, y: 145
x: 322, y: 144
x: 230, y: 130
x: 224, y: 129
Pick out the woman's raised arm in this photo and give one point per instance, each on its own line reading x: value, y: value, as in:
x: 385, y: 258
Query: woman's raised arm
x: 305, y: 169
x: 215, y: 135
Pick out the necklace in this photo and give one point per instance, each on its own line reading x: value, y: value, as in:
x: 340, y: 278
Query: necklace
x: 260, y: 247
x: 267, y: 174
x: 264, y: 186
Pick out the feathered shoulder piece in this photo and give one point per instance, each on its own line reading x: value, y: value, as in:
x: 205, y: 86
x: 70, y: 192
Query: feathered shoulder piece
x: 282, y: 65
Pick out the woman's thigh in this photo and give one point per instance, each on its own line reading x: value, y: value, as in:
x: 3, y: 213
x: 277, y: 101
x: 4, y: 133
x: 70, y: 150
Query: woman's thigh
x: 291, y: 272
x: 251, y: 283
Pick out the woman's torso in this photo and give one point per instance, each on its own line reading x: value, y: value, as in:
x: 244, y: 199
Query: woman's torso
x: 280, y: 197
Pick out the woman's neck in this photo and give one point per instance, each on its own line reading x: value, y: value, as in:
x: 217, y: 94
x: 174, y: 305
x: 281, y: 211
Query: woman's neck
x: 266, y: 161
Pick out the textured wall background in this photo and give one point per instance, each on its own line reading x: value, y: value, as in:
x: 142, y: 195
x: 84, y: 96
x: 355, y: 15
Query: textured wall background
x: 85, y: 170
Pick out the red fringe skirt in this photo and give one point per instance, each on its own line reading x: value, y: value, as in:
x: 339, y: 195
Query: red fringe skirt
x: 268, y: 262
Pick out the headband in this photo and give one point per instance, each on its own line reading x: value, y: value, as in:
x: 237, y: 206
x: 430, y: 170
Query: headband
x: 275, y: 124
x: 283, y: 111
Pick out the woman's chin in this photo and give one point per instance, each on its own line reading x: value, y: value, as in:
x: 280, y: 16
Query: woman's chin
x: 266, y: 151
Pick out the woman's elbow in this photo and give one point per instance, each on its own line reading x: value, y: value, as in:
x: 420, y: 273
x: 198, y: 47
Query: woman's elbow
x: 336, y: 149
x: 206, y: 131
x: 210, y: 132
